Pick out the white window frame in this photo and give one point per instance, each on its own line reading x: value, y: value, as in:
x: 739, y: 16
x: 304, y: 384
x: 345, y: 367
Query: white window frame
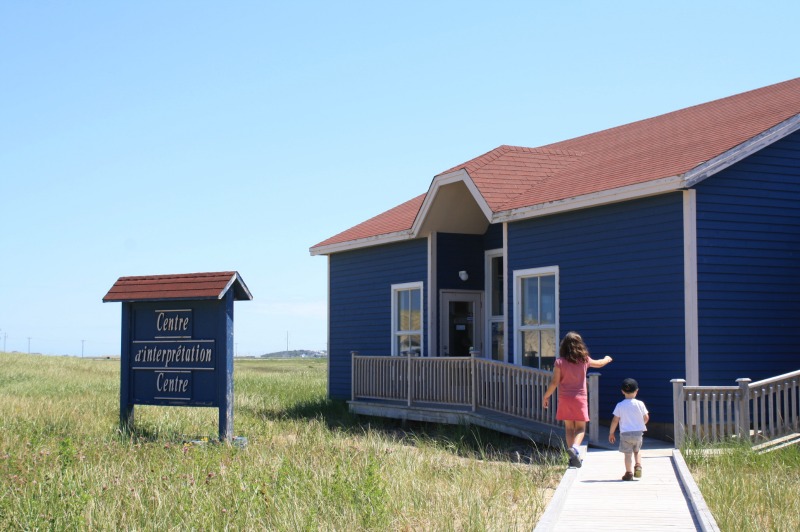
x: 519, y: 328
x: 396, y: 289
x: 490, y: 318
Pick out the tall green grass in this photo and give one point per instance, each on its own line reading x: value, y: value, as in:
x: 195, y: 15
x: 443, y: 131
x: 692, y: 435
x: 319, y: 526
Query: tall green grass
x: 308, y: 465
x: 747, y: 491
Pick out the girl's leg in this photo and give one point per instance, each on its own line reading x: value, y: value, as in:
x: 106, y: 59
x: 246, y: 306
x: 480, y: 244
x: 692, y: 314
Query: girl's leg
x: 579, y: 429
x: 569, y: 430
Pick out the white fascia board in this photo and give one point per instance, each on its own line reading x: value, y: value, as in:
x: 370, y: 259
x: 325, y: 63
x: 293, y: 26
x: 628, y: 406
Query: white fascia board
x: 641, y: 190
x: 448, y: 179
x: 745, y: 149
x: 350, y: 245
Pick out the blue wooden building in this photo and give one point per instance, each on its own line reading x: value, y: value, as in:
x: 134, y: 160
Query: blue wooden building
x: 671, y: 244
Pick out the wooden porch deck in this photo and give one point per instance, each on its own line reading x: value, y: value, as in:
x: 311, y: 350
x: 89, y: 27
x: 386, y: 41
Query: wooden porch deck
x: 540, y: 433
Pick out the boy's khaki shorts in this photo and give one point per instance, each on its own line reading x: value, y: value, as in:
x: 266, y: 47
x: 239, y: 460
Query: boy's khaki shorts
x: 630, y: 442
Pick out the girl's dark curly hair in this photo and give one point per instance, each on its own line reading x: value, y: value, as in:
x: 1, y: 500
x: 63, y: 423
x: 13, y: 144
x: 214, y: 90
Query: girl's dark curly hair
x: 573, y: 349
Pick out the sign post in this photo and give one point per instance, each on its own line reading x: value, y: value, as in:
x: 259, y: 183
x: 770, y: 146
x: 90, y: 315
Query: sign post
x: 177, y: 342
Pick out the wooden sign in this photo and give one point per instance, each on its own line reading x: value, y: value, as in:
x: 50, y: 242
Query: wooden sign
x: 177, y: 342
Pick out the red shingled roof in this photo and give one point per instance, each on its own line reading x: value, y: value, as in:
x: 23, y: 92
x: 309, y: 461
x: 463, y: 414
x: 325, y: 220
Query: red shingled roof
x: 394, y: 220
x: 669, y: 145
x: 211, y: 285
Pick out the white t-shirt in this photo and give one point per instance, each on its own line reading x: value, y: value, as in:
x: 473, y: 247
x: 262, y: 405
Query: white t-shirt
x: 631, y: 414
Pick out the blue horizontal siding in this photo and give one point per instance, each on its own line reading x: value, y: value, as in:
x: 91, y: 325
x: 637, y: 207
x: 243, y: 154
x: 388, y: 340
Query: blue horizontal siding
x: 493, y: 237
x: 360, y: 303
x: 621, y: 288
x: 456, y: 253
x: 748, y: 247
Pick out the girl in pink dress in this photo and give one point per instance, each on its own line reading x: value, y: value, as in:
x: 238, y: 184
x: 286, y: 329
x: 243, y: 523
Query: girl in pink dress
x: 569, y: 376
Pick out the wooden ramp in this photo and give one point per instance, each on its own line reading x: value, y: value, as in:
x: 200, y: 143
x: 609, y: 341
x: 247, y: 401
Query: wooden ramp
x: 594, y: 497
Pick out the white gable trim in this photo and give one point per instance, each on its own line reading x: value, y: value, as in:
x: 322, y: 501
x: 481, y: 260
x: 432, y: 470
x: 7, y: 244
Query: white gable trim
x: 743, y: 150
x: 443, y: 180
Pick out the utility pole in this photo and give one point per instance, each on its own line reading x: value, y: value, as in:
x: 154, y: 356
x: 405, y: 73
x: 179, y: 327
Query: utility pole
x: 82, y: 348
x: 29, y: 345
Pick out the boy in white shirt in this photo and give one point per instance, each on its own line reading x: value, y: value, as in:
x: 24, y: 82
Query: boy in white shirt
x: 632, y: 416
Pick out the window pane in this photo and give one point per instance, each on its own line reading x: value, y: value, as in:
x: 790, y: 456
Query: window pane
x: 402, y: 310
x: 408, y: 344
x: 530, y: 349
x: 498, y: 344
x: 497, y: 286
x: 415, y: 310
x: 548, y: 285
x: 548, y: 355
x: 530, y: 301
x: 409, y: 313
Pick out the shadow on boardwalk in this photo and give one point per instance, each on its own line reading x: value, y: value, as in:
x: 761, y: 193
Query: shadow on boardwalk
x: 594, y: 497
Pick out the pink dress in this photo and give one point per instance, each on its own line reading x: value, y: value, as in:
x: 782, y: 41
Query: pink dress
x: 573, y: 404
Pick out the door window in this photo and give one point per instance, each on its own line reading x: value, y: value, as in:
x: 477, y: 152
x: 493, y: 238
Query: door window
x: 496, y: 320
x: 461, y: 323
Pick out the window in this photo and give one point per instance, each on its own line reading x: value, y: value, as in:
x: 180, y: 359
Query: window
x: 407, y: 319
x: 495, y: 319
x: 536, y: 296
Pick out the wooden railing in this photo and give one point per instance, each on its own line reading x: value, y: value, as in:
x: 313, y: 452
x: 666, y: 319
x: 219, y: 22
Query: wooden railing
x: 473, y: 382
x: 752, y: 411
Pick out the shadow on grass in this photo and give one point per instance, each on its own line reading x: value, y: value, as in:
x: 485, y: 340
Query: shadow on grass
x: 467, y: 441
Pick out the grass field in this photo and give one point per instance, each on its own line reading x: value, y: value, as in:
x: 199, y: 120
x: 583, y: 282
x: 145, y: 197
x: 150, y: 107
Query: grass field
x: 308, y: 465
x: 749, y: 492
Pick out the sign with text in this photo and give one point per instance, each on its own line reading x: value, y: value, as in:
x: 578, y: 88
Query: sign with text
x: 173, y: 358
x: 177, y: 342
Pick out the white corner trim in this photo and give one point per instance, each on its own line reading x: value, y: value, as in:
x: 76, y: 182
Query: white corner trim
x: 439, y: 182
x: 639, y: 190
x: 433, y: 334
x: 506, y: 295
x: 690, y: 312
x: 745, y: 149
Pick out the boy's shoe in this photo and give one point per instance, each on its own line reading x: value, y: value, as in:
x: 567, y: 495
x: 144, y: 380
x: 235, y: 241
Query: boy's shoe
x: 574, y: 459
x: 637, y: 471
x: 627, y: 476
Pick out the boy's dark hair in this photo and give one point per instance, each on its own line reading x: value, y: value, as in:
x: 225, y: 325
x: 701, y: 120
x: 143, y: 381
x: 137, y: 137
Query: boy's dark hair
x: 629, y: 385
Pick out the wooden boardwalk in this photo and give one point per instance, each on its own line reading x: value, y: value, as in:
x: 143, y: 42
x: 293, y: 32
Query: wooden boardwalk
x: 594, y: 497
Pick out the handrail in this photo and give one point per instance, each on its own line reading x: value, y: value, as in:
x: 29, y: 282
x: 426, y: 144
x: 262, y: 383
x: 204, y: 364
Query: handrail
x: 751, y: 411
x: 471, y: 382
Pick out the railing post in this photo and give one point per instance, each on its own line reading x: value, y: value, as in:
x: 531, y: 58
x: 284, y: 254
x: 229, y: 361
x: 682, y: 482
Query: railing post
x: 409, y: 384
x: 744, y: 408
x: 353, y: 355
x: 678, y: 411
x: 594, y: 406
x: 474, y: 383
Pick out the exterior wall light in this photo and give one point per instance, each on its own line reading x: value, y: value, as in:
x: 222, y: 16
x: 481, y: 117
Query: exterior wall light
x: 463, y: 275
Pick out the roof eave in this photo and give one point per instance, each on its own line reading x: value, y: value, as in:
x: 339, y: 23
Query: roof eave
x: 351, y: 245
x: 639, y: 190
x: 743, y: 150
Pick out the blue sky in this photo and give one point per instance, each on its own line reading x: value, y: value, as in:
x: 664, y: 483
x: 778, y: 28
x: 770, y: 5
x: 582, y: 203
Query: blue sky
x: 145, y: 138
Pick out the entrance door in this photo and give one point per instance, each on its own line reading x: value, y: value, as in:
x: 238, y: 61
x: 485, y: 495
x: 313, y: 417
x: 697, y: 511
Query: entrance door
x: 461, y: 323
